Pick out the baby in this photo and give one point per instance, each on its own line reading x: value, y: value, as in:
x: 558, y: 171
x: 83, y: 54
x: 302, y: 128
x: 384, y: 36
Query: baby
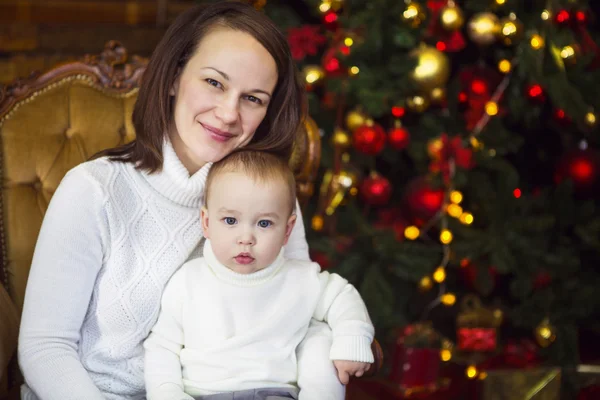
x: 230, y: 323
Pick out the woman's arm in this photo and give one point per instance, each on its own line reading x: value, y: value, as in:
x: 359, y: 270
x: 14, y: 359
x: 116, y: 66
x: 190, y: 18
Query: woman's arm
x: 66, y: 261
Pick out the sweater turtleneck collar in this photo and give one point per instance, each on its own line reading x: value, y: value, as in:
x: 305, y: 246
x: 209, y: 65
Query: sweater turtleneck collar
x: 227, y: 275
x: 174, y: 181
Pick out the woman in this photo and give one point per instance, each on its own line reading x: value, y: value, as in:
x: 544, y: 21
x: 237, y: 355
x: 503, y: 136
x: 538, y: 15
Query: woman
x: 120, y: 225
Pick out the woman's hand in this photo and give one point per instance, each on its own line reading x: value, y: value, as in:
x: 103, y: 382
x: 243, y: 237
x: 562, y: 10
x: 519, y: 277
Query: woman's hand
x: 346, y: 369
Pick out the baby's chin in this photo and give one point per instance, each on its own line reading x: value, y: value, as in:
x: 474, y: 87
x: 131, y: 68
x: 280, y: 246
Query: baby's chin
x: 245, y: 269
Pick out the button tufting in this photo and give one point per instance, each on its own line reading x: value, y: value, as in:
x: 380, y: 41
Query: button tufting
x: 37, y: 185
x: 69, y: 133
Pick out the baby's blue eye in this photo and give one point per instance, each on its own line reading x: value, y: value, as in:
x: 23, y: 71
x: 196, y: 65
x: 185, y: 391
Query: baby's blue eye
x: 230, y: 220
x: 263, y: 223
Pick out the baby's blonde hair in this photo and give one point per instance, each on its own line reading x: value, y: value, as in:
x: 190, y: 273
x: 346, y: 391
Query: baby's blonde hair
x: 259, y: 166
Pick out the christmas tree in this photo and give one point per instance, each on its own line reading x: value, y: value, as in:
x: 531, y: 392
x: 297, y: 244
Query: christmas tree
x: 460, y: 165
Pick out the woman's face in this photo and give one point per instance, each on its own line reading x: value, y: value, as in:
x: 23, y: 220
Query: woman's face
x: 220, y: 97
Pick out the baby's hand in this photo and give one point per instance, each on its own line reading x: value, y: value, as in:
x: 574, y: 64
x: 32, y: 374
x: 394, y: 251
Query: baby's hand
x: 346, y: 369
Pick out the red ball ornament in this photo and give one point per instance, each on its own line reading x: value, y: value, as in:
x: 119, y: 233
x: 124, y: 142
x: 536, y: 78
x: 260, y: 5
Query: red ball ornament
x: 398, y: 111
x: 536, y: 92
x: 561, y: 117
x: 562, y: 17
x: 330, y: 20
x: 376, y: 190
x: 582, y: 167
x: 421, y: 200
x: 580, y: 17
x: 369, y: 139
x: 399, y: 138
x: 331, y: 62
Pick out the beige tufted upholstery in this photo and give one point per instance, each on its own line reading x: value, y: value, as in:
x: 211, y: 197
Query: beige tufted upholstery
x: 60, y: 127
x: 52, y: 122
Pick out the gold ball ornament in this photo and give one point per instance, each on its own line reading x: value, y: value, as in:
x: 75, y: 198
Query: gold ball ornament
x: 341, y: 139
x: 313, y: 74
x: 591, y: 119
x: 483, y: 28
x: 510, y: 31
x: 434, y: 148
x: 354, y: 119
x: 545, y: 333
x: 569, y: 55
x: 432, y: 70
x: 438, y: 95
x: 451, y: 17
x: 414, y: 14
x: 417, y: 104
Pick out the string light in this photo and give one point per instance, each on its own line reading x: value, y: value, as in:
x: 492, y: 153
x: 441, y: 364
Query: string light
x: 537, y: 42
x: 504, y: 66
x: 425, y: 283
x: 456, y: 197
x: 454, y: 210
x: 448, y: 299
x: 439, y: 275
x: 348, y: 41
x: 491, y: 108
x: 354, y: 70
x: 317, y: 223
x: 466, y: 218
x: 446, y: 236
x: 445, y: 355
x: 412, y: 232
x: 471, y: 372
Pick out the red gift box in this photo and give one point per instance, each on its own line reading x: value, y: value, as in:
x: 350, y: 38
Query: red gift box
x: 477, y: 339
x: 420, y: 368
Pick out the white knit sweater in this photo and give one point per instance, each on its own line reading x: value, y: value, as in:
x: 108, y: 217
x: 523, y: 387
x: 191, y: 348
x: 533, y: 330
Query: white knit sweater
x: 111, y: 239
x: 221, y: 331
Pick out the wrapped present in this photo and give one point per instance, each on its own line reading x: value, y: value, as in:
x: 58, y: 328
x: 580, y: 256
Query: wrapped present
x: 522, y: 384
x: 588, y: 382
x: 477, y: 326
x: 416, y: 360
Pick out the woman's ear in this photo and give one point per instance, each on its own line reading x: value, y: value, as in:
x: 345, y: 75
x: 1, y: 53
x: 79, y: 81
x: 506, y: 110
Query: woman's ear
x: 204, y: 217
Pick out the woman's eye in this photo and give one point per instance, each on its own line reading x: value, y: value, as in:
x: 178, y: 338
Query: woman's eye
x: 230, y: 220
x: 214, y: 83
x: 264, y: 223
x: 254, y: 99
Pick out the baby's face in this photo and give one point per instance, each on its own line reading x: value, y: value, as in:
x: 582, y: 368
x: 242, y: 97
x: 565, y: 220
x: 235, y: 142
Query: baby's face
x: 247, y: 221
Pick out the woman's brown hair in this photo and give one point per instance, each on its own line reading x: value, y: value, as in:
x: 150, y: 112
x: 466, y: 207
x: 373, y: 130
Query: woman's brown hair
x: 153, y: 110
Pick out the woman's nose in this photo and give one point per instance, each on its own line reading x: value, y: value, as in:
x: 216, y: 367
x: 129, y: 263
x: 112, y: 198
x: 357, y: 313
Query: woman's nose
x: 227, y: 111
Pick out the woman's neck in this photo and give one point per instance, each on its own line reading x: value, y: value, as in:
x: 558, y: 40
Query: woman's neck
x: 183, y: 152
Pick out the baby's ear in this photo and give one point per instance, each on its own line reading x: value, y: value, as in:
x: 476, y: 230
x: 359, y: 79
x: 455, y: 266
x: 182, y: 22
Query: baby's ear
x: 204, y: 217
x: 290, y: 225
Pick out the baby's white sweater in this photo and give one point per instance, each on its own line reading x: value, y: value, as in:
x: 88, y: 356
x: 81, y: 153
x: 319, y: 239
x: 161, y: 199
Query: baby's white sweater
x: 221, y: 331
x: 111, y: 239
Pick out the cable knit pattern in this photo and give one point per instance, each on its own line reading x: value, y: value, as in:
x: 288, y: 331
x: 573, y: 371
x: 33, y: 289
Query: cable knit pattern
x: 110, y: 241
